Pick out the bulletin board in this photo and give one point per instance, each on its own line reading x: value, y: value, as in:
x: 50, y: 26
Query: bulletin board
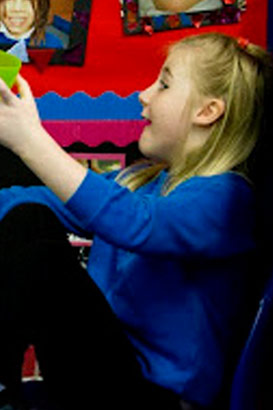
x: 125, y: 64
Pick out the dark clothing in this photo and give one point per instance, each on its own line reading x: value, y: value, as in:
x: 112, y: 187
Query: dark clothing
x: 84, y: 356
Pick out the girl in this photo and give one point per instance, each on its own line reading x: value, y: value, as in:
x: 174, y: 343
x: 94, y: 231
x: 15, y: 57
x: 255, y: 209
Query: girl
x: 26, y: 20
x: 158, y: 7
x: 160, y: 320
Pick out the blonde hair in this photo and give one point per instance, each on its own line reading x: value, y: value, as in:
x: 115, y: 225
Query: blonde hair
x: 222, y: 68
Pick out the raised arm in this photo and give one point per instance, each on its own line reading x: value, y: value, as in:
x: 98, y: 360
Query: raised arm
x: 22, y: 132
x: 176, y: 6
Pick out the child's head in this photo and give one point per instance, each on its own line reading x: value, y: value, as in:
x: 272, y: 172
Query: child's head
x: 20, y: 16
x: 167, y: 105
x: 206, y: 107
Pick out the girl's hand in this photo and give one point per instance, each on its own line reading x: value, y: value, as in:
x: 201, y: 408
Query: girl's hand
x: 22, y: 132
x: 19, y: 118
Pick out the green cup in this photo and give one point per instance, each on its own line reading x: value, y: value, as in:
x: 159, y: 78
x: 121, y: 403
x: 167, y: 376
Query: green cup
x: 9, y: 67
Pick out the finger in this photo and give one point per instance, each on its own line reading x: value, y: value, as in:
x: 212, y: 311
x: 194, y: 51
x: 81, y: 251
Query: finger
x: 6, y: 96
x: 23, y: 88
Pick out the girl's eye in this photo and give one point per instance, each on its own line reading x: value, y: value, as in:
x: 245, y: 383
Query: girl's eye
x: 163, y: 85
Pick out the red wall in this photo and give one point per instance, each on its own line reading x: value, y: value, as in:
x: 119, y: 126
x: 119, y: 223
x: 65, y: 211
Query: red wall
x: 125, y: 64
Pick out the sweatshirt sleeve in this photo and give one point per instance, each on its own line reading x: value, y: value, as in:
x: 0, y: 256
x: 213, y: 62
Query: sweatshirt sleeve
x: 206, y: 216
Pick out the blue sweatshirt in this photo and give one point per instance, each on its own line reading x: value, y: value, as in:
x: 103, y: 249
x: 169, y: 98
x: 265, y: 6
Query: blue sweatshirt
x: 174, y: 269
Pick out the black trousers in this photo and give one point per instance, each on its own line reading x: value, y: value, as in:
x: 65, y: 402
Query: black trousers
x: 48, y: 299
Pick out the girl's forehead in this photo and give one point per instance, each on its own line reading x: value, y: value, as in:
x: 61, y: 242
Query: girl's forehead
x: 178, y: 61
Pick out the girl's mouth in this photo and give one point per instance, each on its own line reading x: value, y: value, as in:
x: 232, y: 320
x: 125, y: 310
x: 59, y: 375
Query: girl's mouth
x: 146, y: 122
x: 17, y: 21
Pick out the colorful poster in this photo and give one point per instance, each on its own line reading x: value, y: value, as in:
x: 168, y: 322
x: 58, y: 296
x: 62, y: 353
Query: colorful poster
x: 56, y: 29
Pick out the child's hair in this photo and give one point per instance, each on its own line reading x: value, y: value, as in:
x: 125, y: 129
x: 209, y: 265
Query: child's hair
x: 238, y: 72
x: 41, y: 14
x: 41, y: 8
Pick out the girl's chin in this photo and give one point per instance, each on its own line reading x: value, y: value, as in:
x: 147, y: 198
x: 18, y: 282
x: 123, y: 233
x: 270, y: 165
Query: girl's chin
x: 147, y: 151
x: 143, y: 143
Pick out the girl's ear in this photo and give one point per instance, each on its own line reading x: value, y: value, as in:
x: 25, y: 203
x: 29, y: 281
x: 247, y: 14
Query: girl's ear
x: 209, y: 112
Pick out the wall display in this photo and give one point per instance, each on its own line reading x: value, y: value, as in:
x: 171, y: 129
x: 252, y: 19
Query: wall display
x: 140, y: 16
x: 127, y: 63
x: 108, y: 124
x: 53, y: 30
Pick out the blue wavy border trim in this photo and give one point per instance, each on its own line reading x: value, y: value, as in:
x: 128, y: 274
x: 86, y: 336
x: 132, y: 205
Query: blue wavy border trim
x: 80, y: 106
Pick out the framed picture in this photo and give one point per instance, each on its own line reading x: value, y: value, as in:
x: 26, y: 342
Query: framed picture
x: 100, y: 162
x: 58, y: 26
x: 140, y: 16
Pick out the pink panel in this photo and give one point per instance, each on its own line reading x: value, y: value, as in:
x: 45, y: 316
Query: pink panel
x: 95, y: 132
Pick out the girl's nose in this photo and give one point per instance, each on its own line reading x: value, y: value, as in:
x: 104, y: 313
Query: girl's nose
x: 145, y: 95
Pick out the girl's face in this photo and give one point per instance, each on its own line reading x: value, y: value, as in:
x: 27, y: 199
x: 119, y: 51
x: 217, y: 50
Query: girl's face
x: 168, y: 106
x: 18, y: 16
